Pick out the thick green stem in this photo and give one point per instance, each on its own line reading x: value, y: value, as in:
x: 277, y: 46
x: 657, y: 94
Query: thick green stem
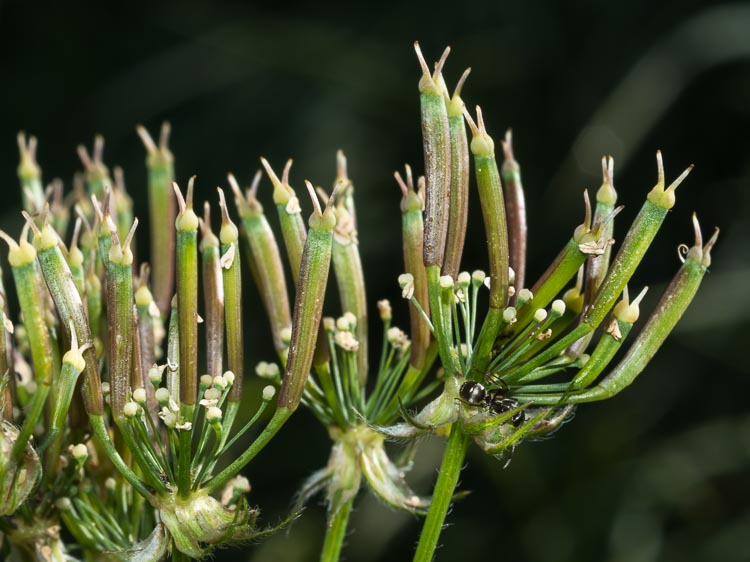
x: 335, y: 533
x: 450, y: 468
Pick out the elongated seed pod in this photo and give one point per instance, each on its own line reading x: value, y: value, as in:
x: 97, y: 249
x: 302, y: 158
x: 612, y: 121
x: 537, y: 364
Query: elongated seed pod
x: 437, y: 159
x: 144, y: 312
x: 515, y: 206
x: 213, y: 295
x: 625, y: 315
x: 293, y: 229
x: 232, y: 280
x: 70, y: 308
x: 96, y: 173
x: 266, y: 258
x: 412, y: 238
x: 75, y: 258
x: 673, y: 303
x: 162, y: 210
x: 459, y: 191
x: 495, y: 226
x: 637, y: 240
x: 186, y: 265
x: 31, y: 299
x: 350, y: 279
x: 29, y: 174
x: 606, y: 198
x: 120, y: 304
x: 308, y: 306
x: 122, y: 204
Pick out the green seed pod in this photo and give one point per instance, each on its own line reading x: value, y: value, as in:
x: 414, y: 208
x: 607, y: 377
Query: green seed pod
x: 186, y: 224
x: 293, y: 229
x: 96, y: 173
x: 437, y: 159
x: 213, y: 295
x: 30, y: 175
x: 162, y: 213
x: 265, y: 259
x: 459, y: 189
x: 515, y: 206
x: 412, y: 236
x: 70, y: 308
x: 350, y: 279
x: 232, y: 279
x: 308, y: 306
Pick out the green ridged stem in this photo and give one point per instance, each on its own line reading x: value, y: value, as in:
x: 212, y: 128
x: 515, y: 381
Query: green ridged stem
x: 441, y: 324
x: 162, y: 213
x: 144, y: 337
x: 94, y: 302
x: 102, y: 434
x: 336, y: 532
x: 350, y: 279
x: 71, y: 310
x: 662, y: 321
x: 442, y: 495
x: 412, y: 237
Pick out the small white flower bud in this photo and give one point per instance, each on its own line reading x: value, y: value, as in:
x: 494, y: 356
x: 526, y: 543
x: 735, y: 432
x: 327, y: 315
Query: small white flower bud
x: 219, y: 382
x: 351, y: 318
x: 130, y: 410
x: 213, y: 414
x: 139, y: 395
x: 155, y: 375
x: 487, y: 282
x: 384, y: 309
x: 110, y: 484
x: 79, y: 452
x: 511, y: 275
x: 446, y: 282
x: 540, y: 315
x: 63, y: 504
x: 342, y: 324
x: 269, y: 392
x: 212, y: 394
x: 229, y: 377
x: 105, y: 387
x: 162, y: 395
x: 206, y: 380
x: 525, y: 295
x: 464, y: 280
x: 477, y: 277
x: 509, y: 315
x: 329, y: 324
x: 558, y: 307
x: 406, y: 282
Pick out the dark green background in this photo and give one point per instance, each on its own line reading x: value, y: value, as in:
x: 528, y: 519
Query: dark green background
x: 662, y: 472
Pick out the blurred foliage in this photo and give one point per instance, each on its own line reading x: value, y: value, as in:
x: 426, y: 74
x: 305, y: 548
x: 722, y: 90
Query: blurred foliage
x: 660, y: 473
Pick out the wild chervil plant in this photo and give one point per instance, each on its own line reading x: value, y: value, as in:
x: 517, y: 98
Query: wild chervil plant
x: 118, y: 436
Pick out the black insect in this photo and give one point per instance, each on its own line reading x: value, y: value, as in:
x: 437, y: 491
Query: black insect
x: 475, y: 394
